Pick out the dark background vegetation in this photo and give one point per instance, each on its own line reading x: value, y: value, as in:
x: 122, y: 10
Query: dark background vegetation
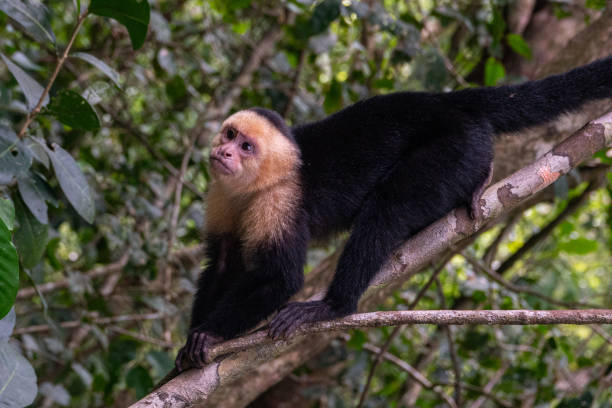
x: 107, y: 186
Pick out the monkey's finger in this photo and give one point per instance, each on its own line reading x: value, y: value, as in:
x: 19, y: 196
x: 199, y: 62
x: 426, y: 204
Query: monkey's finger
x: 293, y: 315
x: 179, y: 360
x: 277, y: 325
x: 200, y: 349
x: 189, y: 346
x: 288, y: 323
x: 296, y: 323
x: 191, y: 351
x: 274, y: 324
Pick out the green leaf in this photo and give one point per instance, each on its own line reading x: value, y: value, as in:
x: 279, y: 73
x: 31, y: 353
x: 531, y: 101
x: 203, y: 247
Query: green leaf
x: 133, y: 14
x: 34, y: 192
x: 161, y: 363
x: 31, y: 237
x: 176, y: 90
x: 7, y: 213
x: 121, y: 351
x: 579, y: 246
x: 101, y: 65
x: 497, y: 26
x: 139, y: 380
x: 73, y: 110
x: 333, y: 98
x: 596, y: 4
x: 494, y: 72
x: 584, y: 401
x: 9, y: 271
x: 323, y: 15
x: 35, y: 146
x: 15, y: 157
x: 17, y: 378
x: 358, y: 338
x: 72, y: 181
x: 31, y: 89
x: 32, y: 15
x: 519, y: 45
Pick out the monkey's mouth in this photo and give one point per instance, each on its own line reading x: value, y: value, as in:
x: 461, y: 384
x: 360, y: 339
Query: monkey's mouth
x: 219, y: 165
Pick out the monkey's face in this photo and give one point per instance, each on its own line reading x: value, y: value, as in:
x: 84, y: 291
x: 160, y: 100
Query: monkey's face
x: 231, y: 151
x: 249, y: 153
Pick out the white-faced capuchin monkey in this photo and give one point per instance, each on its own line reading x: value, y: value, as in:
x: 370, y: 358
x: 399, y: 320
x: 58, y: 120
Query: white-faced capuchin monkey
x: 385, y: 167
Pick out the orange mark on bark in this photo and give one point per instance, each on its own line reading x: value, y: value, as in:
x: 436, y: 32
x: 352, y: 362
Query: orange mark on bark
x: 547, y: 175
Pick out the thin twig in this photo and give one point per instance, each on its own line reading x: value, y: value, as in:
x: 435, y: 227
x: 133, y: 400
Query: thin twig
x: 397, y: 329
x: 64, y: 283
x: 493, y: 275
x: 491, y: 251
x: 142, y: 337
x: 412, y: 372
x: 492, y: 382
x: 98, y: 320
x: 59, y: 65
x: 436, y: 317
x: 604, y: 334
x: 447, y: 62
x: 178, y: 193
x: 487, y: 394
x: 180, y: 181
x: 451, y: 347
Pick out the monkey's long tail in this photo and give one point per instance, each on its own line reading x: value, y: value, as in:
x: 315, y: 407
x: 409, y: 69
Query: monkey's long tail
x: 515, y: 107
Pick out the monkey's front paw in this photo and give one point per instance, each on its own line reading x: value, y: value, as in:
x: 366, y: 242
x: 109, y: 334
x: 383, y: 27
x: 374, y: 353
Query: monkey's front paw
x: 195, y: 352
x: 295, y: 314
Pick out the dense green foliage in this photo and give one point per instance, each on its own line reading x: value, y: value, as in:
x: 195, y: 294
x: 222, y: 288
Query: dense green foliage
x: 113, y: 170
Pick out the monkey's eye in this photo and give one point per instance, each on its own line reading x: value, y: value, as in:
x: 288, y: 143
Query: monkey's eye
x: 247, y: 147
x: 231, y: 134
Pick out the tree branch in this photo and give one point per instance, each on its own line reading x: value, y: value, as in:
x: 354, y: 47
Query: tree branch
x: 58, y: 67
x: 437, y: 317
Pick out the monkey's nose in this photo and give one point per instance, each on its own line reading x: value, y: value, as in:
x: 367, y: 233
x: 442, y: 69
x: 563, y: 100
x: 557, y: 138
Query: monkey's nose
x: 226, y: 153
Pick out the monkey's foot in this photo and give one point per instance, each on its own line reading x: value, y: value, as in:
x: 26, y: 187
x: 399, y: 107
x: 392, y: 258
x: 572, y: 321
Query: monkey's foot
x: 195, y: 352
x: 295, y: 314
x: 475, y: 209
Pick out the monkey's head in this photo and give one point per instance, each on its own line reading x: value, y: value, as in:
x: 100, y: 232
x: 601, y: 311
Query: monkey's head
x: 253, y: 150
